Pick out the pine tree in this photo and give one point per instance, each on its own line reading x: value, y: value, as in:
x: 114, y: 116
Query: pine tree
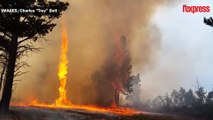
x: 19, y: 32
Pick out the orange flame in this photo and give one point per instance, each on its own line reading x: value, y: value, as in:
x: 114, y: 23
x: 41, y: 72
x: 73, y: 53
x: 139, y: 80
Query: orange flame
x: 62, y: 71
x: 61, y: 101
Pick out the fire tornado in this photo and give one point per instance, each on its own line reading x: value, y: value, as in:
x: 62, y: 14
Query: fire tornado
x: 62, y: 70
x: 62, y: 101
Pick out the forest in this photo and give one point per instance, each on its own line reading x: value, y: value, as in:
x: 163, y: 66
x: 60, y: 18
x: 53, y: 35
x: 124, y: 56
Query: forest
x: 196, y: 103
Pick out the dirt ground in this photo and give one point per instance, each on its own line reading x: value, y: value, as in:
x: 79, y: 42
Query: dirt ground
x: 35, y: 113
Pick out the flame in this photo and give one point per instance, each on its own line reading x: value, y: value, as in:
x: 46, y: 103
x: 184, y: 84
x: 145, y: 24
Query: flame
x: 61, y: 101
x: 62, y: 71
x: 89, y: 108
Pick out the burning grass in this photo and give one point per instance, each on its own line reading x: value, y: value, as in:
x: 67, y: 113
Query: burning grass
x: 89, y: 108
x: 40, y: 113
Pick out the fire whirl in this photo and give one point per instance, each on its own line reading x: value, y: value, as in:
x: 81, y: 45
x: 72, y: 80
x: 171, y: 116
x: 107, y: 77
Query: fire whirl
x: 62, y: 72
x: 61, y: 101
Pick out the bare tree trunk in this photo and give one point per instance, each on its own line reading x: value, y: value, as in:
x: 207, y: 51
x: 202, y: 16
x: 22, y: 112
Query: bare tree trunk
x: 116, y: 99
x: 7, y: 91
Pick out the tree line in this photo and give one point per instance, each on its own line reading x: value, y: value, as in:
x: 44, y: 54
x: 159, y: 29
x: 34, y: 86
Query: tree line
x: 195, y: 103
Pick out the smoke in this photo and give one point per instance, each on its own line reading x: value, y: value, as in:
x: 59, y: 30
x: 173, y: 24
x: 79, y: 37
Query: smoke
x: 185, y: 52
x: 92, y: 26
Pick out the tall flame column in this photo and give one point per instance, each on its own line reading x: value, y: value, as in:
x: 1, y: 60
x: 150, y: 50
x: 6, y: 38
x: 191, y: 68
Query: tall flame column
x: 62, y: 70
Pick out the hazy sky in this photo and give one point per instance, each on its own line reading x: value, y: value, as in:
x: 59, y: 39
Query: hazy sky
x: 186, y: 50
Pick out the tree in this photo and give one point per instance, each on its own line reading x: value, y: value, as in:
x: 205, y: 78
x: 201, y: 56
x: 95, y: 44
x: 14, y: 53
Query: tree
x: 2, y: 69
x: 175, y: 98
x: 133, y: 89
x: 3, y: 61
x: 182, y: 93
x: 19, y: 32
x: 208, y: 21
x: 114, y: 77
x: 122, y: 61
x: 189, y: 98
x: 209, y: 98
x: 167, y: 101
x: 201, y: 94
x: 158, y: 103
x: 133, y: 81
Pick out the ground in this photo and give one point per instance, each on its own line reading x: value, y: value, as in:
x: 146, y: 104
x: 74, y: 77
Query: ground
x: 36, y: 113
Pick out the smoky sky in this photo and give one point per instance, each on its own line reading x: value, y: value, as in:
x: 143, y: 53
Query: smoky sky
x: 92, y: 27
x: 185, y: 54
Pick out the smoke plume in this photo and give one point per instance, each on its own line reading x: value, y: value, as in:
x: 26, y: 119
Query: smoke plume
x: 93, y: 26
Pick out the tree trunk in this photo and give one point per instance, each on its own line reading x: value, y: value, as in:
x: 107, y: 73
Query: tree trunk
x: 2, y: 77
x: 7, y: 91
x: 116, y: 99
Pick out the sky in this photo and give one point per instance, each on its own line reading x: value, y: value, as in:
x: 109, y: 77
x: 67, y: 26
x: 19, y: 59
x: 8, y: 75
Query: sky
x: 185, y: 53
